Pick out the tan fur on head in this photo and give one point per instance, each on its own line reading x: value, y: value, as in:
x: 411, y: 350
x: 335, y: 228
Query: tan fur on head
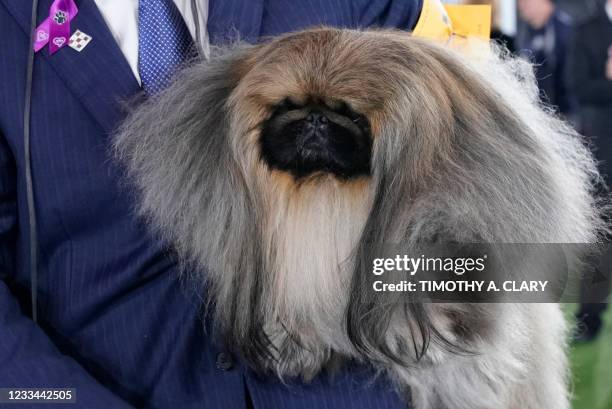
x: 462, y: 150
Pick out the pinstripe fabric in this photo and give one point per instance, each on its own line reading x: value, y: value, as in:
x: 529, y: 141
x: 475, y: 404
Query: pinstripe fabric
x: 251, y: 20
x: 117, y: 323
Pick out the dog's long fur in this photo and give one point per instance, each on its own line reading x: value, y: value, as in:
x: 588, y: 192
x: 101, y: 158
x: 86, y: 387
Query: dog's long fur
x: 462, y: 150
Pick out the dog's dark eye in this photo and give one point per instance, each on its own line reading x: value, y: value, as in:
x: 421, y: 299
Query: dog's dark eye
x: 286, y: 105
x: 358, y: 119
x: 345, y: 110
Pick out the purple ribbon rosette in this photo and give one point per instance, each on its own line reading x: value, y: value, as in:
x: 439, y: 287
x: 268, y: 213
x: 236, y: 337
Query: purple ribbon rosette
x: 55, y: 30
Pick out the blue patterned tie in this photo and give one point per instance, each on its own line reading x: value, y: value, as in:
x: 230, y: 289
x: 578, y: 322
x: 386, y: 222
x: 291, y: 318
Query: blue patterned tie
x: 164, y: 43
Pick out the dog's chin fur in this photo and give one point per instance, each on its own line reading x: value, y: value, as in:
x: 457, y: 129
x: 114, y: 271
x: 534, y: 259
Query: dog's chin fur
x: 309, y: 236
x: 462, y: 149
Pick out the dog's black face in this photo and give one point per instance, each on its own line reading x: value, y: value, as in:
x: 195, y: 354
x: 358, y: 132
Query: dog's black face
x: 316, y: 137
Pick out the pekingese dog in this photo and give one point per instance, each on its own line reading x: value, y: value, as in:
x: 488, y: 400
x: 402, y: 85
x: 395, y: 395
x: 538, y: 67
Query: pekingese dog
x: 273, y: 168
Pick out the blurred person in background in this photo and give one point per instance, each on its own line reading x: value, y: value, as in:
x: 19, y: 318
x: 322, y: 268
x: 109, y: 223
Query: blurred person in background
x: 590, y: 79
x: 496, y: 33
x: 543, y: 39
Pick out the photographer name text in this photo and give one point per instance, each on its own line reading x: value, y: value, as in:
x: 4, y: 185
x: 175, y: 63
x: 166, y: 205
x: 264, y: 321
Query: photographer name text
x: 456, y: 265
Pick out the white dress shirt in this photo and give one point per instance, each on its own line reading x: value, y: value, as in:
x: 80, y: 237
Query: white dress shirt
x: 121, y: 17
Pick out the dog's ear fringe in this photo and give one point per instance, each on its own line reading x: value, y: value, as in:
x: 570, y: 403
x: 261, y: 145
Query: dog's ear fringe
x: 520, y: 175
x: 177, y: 158
x: 163, y: 144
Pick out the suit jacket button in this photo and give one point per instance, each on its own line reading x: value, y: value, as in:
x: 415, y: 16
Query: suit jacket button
x: 224, y: 361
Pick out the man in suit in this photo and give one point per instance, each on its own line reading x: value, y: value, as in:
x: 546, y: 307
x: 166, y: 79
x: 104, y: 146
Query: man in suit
x: 114, y: 321
x: 590, y: 77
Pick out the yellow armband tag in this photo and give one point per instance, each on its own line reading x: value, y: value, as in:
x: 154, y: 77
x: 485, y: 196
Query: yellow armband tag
x: 470, y: 20
x: 434, y: 22
x: 442, y: 23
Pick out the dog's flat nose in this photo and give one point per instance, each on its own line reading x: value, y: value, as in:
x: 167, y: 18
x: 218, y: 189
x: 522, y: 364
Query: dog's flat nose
x: 317, y: 119
x: 314, y: 135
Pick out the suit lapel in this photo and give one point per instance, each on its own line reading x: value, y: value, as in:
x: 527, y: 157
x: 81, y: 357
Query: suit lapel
x: 99, y: 76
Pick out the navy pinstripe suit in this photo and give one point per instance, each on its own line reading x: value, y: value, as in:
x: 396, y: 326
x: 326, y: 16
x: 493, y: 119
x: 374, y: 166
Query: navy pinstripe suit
x: 116, y: 322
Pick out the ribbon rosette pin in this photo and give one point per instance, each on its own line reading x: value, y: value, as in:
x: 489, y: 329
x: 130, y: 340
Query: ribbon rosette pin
x: 55, y: 30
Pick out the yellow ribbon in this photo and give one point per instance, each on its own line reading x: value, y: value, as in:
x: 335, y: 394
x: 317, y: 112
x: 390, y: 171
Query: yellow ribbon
x: 445, y: 22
